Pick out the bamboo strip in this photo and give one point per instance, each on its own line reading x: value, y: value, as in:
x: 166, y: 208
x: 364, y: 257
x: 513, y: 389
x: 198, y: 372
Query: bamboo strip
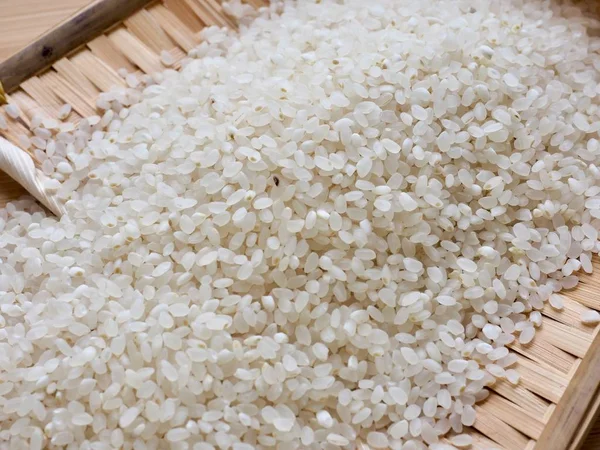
x: 528, y: 401
x: 549, y: 373
x: 99, y: 73
x: 207, y: 14
x: 144, y: 27
x: 21, y: 126
x: 570, y: 315
x: 29, y: 107
x: 177, y: 55
x: 544, y: 353
x: 69, y: 94
x: 514, y: 416
x: 76, y: 79
x: 481, y: 442
x: 184, y: 13
x: 540, y: 381
x: 498, y: 431
x: 44, y: 98
x: 586, y: 294
x: 567, y: 338
x: 105, y: 51
x: 175, y: 28
x: 135, y: 50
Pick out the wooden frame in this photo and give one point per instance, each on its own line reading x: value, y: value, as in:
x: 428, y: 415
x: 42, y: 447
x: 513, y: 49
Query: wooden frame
x: 557, y: 398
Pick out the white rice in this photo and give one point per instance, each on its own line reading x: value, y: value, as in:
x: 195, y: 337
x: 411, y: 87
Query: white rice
x: 322, y: 231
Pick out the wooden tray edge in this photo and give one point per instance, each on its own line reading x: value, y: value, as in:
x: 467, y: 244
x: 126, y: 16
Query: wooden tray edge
x: 77, y: 30
x: 574, y: 415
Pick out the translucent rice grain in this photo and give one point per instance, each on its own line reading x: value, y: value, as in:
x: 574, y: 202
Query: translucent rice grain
x: 590, y: 317
x: 325, y: 419
x: 511, y: 80
x: 409, y: 355
x: 461, y: 440
x: 527, y: 335
x: 337, y: 439
x: 398, y: 395
x: 556, y: 301
x: 399, y: 429
x: 512, y: 376
x: 161, y: 269
x: 580, y: 122
x: 512, y: 273
x: 418, y: 112
x: 81, y: 419
x: 457, y: 365
x: 377, y: 440
x: 64, y: 111
x: 167, y: 58
x: 361, y: 416
x: 412, y: 412
x: 467, y: 265
x: 12, y: 111
x: 128, y: 417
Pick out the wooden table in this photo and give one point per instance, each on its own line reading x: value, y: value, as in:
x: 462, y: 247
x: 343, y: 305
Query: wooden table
x: 23, y: 20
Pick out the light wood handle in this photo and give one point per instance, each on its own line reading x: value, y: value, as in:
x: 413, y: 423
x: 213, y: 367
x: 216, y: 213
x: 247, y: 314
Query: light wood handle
x: 74, y: 32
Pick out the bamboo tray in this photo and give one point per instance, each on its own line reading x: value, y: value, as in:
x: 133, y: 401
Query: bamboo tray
x: 556, y: 400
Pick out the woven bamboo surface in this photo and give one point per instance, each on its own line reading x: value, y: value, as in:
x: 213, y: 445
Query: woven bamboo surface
x: 556, y: 368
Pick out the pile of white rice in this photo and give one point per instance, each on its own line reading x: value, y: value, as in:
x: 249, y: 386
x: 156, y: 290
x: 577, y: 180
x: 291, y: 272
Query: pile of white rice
x: 323, y: 231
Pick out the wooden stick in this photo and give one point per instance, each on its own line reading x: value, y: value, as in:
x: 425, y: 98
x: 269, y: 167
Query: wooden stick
x: 76, y: 31
x: 576, y: 404
x: 2, y: 95
x: 587, y: 424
